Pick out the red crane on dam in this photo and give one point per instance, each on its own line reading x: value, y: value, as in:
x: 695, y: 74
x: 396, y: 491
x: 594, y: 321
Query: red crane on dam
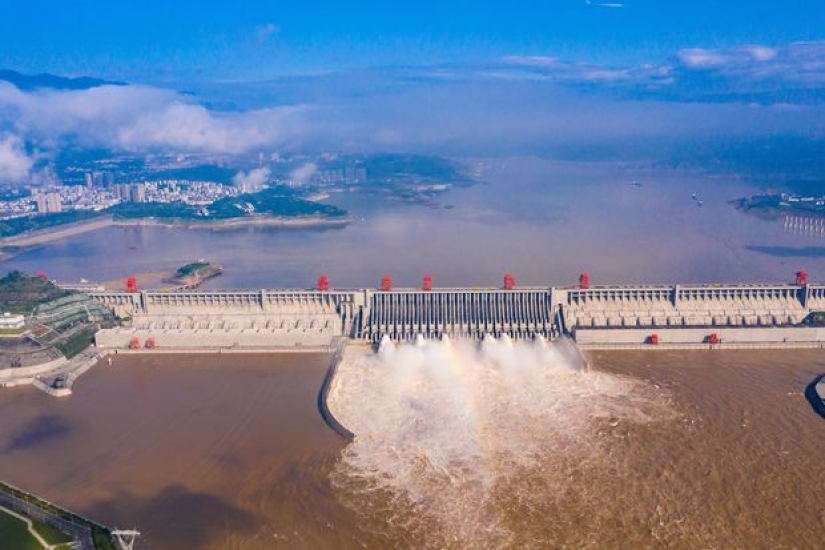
x: 131, y: 285
x: 323, y: 283
x: 509, y: 281
x: 427, y: 284
x: 584, y: 280
x: 386, y: 283
x: 802, y: 277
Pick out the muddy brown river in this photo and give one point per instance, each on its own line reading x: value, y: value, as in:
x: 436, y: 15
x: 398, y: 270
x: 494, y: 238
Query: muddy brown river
x: 681, y: 450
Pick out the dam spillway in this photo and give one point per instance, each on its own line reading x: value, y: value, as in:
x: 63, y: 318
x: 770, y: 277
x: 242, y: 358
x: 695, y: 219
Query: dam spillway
x: 620, y: 316
x: 460, y: 312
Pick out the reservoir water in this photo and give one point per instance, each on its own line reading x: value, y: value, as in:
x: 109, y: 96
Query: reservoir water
x: 543, y: 221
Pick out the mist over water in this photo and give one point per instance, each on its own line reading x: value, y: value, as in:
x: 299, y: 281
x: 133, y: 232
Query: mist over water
x: 455, y: 439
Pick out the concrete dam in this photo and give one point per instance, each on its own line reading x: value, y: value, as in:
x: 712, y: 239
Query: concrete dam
x: 781, y: 315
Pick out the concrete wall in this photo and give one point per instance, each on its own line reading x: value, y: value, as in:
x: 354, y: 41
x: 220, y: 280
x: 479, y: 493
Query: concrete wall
x: 6, y: 375
x: 402, y: 314
x: 206, y: 339
x: 778, y: 335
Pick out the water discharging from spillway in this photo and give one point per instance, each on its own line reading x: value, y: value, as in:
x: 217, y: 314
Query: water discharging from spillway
x: 460, y: 444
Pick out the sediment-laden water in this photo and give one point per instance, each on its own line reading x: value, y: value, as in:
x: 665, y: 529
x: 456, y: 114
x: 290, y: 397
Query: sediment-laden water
x: 507, y: 447
x: 510, y: 446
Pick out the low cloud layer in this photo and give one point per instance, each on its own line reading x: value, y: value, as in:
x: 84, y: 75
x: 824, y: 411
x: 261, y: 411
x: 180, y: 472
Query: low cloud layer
x: 141, y: 118
x: 303, y: 174
x: 252, y: 180
x: 15, y: 163
x: 513, y: 104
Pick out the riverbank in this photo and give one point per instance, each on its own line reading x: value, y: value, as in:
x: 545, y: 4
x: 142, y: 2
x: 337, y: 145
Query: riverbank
x: 44, y: 236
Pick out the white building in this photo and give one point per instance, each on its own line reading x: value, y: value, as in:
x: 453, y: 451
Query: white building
x: 12, y: 322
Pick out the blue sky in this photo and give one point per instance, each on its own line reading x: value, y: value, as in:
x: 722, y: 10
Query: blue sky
x: 151, y: 41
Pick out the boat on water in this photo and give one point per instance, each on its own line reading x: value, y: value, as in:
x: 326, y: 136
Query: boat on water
x: 820, y: 390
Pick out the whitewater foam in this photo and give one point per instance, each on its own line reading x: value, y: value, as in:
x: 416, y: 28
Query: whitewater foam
x: 446, y: 432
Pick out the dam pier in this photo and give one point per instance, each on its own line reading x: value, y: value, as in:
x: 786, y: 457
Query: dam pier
x: 598, y: 317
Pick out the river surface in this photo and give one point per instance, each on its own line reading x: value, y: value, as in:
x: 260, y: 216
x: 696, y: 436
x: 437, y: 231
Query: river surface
x: 543, y: 221
x: 647, y: 450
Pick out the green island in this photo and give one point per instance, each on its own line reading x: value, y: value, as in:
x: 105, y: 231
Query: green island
x: 195, y: 273
x: 777, y: 204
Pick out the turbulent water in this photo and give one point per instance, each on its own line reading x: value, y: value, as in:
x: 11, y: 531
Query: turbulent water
x: 458, y: 443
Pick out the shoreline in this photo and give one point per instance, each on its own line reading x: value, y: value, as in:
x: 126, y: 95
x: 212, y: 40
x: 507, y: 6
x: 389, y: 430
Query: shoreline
x: 51, y: 234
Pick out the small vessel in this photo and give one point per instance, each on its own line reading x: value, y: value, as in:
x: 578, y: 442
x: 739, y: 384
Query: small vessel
x: 693, y: 196
x: 820, y: 390
x: 700, y: 203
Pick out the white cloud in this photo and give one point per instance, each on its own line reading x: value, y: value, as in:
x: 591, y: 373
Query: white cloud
x: 699, y: 58
x: 265, y: 32
x: 253, y: 180
x: 141, y: 118
x: 611, y: 5
x: 15, y: 164
x: 761, y: 53
x: 531, y: 60
x: 605, y: 75
x: 303, y: 174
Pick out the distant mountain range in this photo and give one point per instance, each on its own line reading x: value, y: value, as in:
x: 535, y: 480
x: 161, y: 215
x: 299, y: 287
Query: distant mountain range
x: 45, y: 80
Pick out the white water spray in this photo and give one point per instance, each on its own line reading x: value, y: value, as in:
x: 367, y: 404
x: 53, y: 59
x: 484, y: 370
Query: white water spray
x: 446, y: 430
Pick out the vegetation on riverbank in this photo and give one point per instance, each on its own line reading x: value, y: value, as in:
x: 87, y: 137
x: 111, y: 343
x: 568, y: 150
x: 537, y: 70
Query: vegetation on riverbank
x: 21, y: 293
x: 101, y: 535
x: 57, y: 321
x: 16, y: 226
x: 77, y: 342
x: 15, y: 533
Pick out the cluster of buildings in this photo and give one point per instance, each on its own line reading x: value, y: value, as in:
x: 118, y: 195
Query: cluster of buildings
x: 199, y: 193
x: 48, y: 203
x: 100, y: 193
x: 347, y: 176
x: 809, y: 201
